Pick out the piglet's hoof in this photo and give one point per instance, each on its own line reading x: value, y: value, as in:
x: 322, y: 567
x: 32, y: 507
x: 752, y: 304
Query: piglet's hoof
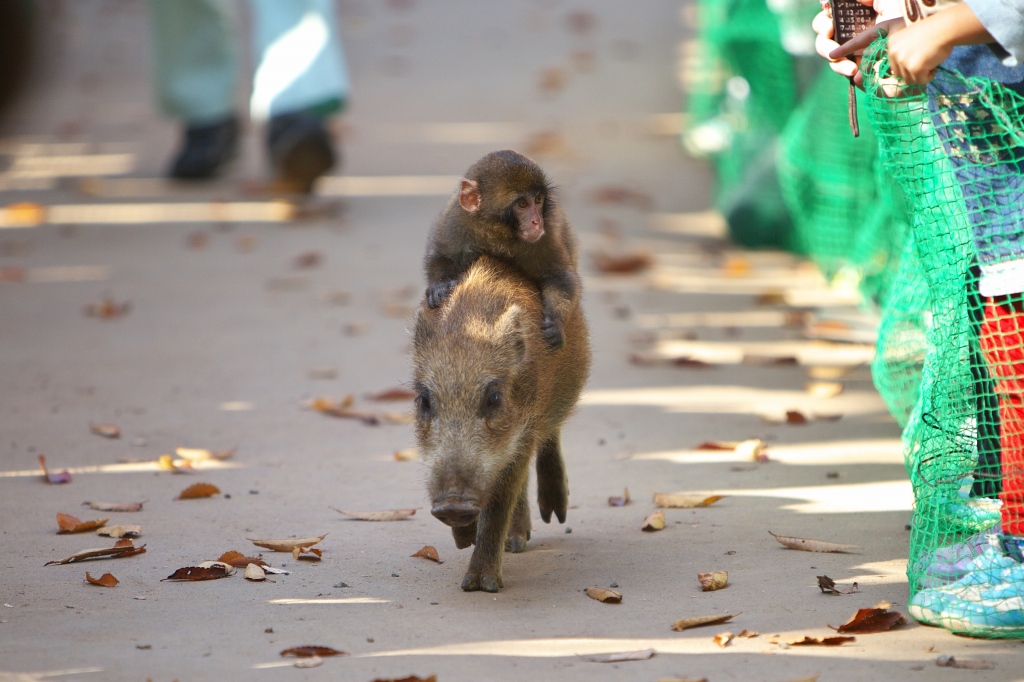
x: 474, y: 582
x: 516, y: 543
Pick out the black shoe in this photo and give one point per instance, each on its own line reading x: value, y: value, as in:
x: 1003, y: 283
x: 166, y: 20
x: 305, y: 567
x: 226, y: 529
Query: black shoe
x: 206, y: 150
x: 300, y: 150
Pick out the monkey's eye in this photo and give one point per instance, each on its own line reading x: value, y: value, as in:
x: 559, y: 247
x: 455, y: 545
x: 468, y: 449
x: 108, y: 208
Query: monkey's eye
x: 522, y: 202
x: 539, y: 199
x: 424, y: 408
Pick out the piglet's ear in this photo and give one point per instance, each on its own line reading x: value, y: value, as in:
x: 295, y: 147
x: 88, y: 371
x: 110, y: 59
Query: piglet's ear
x: 469, y: 196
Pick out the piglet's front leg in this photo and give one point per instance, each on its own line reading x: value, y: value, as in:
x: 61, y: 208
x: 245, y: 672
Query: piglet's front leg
x: 492, y: 530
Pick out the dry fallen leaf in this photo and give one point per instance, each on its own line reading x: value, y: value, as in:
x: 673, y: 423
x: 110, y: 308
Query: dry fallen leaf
x: 410, y: 678
x: 287, y: 545
x: 203, y: 455
x: 581, y: 22
x: 604, y: 596
x: 305, y: 261
x: 392, y: 394
x: 198, y: 490
x: 407, y: 455
x: 429, y: 552
x: 383, y: 515
x: 212, y: 571
x: 167, y: 463
x: 122, y: 548
x: 239, y: 560
x: 121, y: 531
x: 810, y: 641
x: 829, y: 586
x: 723, y: 639
x: 115, y: 506
x: 682, y: 679
x: 680, y: 501
x: 824, y: 389
x: 620, y: 501
x: 307, y: 554
x: 23, y: 214
x: 552, y: 80
x: 796, y: 417
x: 306, y: 651
x: 105, y: 430
x: 342, y: 410
x: 55, y: 478
x: 714, y: 580
x: 310, y: 662
x: 653, y: 522
x: 108, y: 309
x: 622, y: 264
x: 255, y: 573
x: 805, y: 545
x: 876, y: 619
x: 66, y: 523
x: 748, y: 634
x: 105, y: 580
x: 686, y: 623
x: 718, y: 445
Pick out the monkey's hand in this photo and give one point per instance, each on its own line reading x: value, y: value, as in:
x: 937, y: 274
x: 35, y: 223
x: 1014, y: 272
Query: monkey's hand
x: 551, y: 330
x: 437, y: 293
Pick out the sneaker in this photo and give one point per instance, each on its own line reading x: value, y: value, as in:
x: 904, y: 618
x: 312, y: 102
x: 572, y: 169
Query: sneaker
x: 206, y: 150
x: 987, y: 601
x: 300, y: 150
x: 948, y: 564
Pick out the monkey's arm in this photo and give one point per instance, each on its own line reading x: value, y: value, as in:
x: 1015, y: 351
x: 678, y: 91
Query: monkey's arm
x: 442, y: 276
x: 559, y: 291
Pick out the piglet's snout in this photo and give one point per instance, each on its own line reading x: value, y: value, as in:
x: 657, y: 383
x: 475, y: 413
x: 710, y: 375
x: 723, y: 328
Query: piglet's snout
x: 456, y: 514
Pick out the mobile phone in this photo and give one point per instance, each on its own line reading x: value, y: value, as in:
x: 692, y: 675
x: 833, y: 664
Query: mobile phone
x: 849, y: 18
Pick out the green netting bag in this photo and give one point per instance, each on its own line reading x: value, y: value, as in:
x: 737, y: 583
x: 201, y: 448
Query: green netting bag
x: 957, y: 151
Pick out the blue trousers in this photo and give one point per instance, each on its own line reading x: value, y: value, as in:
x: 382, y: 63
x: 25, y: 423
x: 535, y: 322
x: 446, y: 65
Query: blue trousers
x: 298, y: 56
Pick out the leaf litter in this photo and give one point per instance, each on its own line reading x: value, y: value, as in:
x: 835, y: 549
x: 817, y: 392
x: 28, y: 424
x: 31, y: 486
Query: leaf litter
x: 208, y: 570
x: 197, y: 491
x: 105, y: 580
x: 604, y: 596
x: 307, y: 651
x: 620, y: 657
x: 699, y: 621
x: 806, y: 545
x: 715, y: 580
x: 115, y: 506
x: 55, y: 478
x: 682, y: 501
x: 616, y: 501
x: 428, y: 552
x: 106, y: 430
x: 122, y: 548
x: 66, y: 523
x: 809, y: 641
x: 382, y: 515
x: 872, y: 620
x: 120, y: 531
x: 288, y: 544
x: 654, y: 522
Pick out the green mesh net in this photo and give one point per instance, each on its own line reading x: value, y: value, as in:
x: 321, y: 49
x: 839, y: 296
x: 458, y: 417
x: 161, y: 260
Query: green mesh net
x: 957, y: 152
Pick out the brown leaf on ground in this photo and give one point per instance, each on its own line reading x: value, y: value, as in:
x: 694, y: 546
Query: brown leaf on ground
x: 622, y: 656
x: 105, y: 580
x: 239, y: 560
x: 12, y: 273
x: 407, y: 455
x: 116, y: 506
x: 796, y: 417
x: 383, y: 515
x: 342, y: 410
x: 876, y: 619
x: 198, y: 490
x: 105, y: 430
x: 616, y: 194
x: 122, y: 548
x: 948, y: 661
x: 824, y: 389
x: 66, y: 523
x: 306, y: 651
x: 723, y: 639
x: 307, y: 554
x: 805, y: 545
x: 604, y: 596
x: 392, y: 394
x: 55, y: 478
x: 686, y: 623
x: 255, y: 573
x: 121, y: 531
x: 107, y: 309
x: 810, y: 641
x: 288, y: 544
x: 429, y: 552
x: 552, y: 80
x: 581, y: 22
x: 681, y: 501
x: 829, y: 586
x: 715, y: 580
x: 682, y: 679
x: 190, y: 573
x: 619, y: 501
x: 310, y: 259
x: 167, y: 463
x: 622, y: 264
x: 197, y: 241
x: 410, y: 678
x: 748, y: 634
x: 653, y: 522
x: 718, y: 445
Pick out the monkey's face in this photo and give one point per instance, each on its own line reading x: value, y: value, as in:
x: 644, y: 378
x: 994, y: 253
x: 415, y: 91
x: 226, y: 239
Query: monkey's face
x: 528, y: 216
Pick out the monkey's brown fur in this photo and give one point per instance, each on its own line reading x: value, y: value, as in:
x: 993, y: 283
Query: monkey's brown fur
x: 491, y: 395
x: 460, y: 237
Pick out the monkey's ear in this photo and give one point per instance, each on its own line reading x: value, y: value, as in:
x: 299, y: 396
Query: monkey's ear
x: 469, y: 196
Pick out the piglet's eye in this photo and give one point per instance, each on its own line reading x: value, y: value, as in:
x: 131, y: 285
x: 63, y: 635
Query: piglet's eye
x: 423, y: 405
x: 492, y: 402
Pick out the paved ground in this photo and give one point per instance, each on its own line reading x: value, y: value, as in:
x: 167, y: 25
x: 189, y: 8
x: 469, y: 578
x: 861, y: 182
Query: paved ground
x: 228, y: 338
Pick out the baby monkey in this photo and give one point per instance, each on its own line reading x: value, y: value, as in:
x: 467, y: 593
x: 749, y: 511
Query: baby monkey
x: 505, y: 208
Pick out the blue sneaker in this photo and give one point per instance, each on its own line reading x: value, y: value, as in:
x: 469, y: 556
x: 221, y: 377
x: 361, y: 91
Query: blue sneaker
x: 987, y: 601
x: 948, y: 564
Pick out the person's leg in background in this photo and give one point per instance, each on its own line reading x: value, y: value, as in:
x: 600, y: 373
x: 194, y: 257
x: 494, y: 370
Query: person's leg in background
x: 195, y: 66
x: 300, y: 79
